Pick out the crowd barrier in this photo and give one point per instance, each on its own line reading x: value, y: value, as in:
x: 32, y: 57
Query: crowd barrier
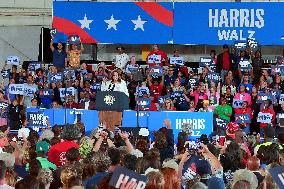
x: 202, y: 122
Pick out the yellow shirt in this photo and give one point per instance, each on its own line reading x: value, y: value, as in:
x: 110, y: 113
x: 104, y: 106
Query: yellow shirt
x: 74, y: 58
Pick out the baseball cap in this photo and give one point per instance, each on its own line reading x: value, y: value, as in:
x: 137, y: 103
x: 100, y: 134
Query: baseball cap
x: 245, y: 175
x: 42, y: 146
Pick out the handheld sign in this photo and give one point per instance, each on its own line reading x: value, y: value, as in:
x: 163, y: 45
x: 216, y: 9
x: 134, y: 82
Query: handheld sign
x: 264, y: 117
x: 205, y: 61
x: 143, y: 91
x: 56, y: 77
x: 280, y: 119
x: 13, y: 60
x: 74, y: 40
x: 29, y: 91
x: 213, y: 77
x: 5, y: 73
x: 35, y: 118
x: 245, y: 65
x: 155, y: 59
x: 221, y: 123
x: 240, y: 45
x: 275, y: 93
x: 277, y: 174
x: 4, y: 109
x: 261, y: 97
x: 156, y: 71
x: 34, y: 66
x: 277, y: 70
x: 242, y: 118
x: 281, y: 99
x: 237, y: 103
x: 16, y: 89
x: 193, y: 82
x: 96, y: 86
x: 121, y: 175
x: 253, y: 44
x: 53, y: 32
x: 69, y: 74
x: 213, y: 101
x: 177, y: 94
x: 45, y: 93
x: 143, y: 102
x: 67, y: 92
x: 177, y: 60
x: 161, y: 100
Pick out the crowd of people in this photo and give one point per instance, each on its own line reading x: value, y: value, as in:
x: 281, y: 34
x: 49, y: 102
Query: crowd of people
x: 237, y: 155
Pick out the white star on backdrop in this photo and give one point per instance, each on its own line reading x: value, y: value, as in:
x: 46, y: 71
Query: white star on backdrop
x: 112, y: 23
x: 85, y: 23
x: 139, y: 23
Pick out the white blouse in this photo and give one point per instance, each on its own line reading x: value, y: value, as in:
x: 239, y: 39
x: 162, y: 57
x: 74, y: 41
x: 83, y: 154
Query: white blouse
x: 109, y: 86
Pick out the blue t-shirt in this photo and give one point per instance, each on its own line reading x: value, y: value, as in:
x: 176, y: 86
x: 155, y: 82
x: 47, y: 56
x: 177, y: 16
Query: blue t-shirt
x: 59, y: 58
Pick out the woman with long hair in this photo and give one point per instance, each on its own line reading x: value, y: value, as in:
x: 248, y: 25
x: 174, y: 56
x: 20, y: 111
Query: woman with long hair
x: 115, y: 84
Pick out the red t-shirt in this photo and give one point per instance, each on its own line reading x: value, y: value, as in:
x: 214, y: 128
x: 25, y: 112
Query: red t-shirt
x: 164, y: 57
x: 226, y: 61
x: 156, y: 91
x: 57, y: 152
x: 271, y: 111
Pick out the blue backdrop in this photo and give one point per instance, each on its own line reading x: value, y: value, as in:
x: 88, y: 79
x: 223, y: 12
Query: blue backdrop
x: 166, y: 23
x: 202, y: 122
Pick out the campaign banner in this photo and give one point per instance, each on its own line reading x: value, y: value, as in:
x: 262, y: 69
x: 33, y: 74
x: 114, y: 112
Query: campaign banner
x: 122, y: 175
x: 242, y: 118
x: 177, y: 60
x: 277, y: 70
x: 13, y: 60
x: 35, y: 118
x: 202, y: 122
x: 156, y: 71
x: 143, y: 102
x: 64, y: 92
x: 253, y: 44
x: 29, y: 90
x: 226, y: 22
x: 74, y: 40
x: 237, y: 103
x: 4, y: 109
x: 131, y: 69
x: 213, y: 77
x: 53, y: 32
x: 68, y: 116
x: 114, y: 22
x: 245, y: 65
x: 45, y: 93
x: 264, y: 117
x: 154, y: 59
x: 53, y: 78
x: 277, y: 174
x: 16, y: 89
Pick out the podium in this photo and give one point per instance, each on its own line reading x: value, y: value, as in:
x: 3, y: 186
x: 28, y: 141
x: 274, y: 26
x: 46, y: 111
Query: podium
x: 110, y: 105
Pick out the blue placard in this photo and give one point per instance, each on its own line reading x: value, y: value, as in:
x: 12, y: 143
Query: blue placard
x: 281, y: 99
x: 45, y: 93
x: 264, y: 117
x: 16, y: 89
x: 275, y: 93
x: 96, y: 86
x: 35, y: 118
x: 245, y: 65
x: 277, y: 70
x: 240, y: 45
x: 221, y: 123
x: 161, y: 100
x: 53, y: 78
x: 177, y: 60
x: 69, y: 74
x: 142, y: 91
x: 33, y: 66
x: 213, y: 77
x: 74, y: 40
x: 237, y: 103
x: 143, y: 102
x: 53, y: 32
x: 177, y: 94
x: 261, y: 97
x: 242, y: 118
x: 4, y: 109
x: 155, y: 70
x: 202, y: 122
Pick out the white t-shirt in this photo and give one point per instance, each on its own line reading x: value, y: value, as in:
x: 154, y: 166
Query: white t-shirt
x: 121, y: 60
x: 5, y: 186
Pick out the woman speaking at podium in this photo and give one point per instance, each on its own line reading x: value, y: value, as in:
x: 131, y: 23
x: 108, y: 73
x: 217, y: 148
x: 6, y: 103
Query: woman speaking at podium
x: 111, y: 118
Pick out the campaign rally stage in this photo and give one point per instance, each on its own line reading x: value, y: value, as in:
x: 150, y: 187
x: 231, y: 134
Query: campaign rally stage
x: 201, y: 122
